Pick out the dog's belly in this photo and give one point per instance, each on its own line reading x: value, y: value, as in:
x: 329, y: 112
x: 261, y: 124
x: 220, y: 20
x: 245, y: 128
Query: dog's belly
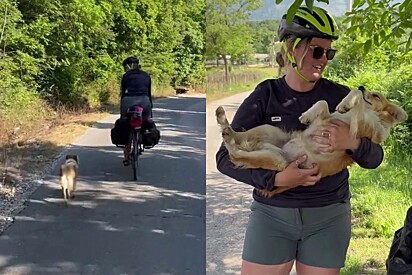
x: 256, y: 138
x: 293, y: 150
x: 329, y: 163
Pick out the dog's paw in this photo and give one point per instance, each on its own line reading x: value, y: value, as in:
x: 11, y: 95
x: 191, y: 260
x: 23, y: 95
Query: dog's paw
x: 319, y: 109
x: 304, y: 119
x: 308, y: 117
x: 220, y: 115
x: 343, y: 107
x: 353, y: 99
x: 219, y: 111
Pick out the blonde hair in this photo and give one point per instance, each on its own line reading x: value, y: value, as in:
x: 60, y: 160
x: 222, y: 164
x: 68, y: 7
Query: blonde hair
x: 282, y: 58
x: 131, y: 66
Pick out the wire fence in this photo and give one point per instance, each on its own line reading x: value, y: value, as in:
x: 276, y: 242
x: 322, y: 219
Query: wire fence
x: 215, y: 82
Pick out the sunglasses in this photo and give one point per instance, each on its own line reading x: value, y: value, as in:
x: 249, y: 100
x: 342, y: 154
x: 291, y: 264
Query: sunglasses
x: 318, y: 52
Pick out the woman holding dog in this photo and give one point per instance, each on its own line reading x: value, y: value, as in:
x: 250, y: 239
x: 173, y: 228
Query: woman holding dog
x: 309, y: 224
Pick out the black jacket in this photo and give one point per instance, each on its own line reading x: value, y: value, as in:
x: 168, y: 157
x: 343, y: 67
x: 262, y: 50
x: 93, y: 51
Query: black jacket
x: 136, y: 83
x: 273, y: 102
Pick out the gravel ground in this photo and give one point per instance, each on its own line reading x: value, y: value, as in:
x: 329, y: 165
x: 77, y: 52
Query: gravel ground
x: 13, y: 198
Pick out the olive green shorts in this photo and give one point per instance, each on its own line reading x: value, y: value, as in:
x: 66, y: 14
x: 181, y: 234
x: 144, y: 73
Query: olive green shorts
x: 313, y: 236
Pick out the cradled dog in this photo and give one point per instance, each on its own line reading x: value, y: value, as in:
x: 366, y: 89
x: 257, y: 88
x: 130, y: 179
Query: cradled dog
x: 369, y: 115
x: 68, y: 176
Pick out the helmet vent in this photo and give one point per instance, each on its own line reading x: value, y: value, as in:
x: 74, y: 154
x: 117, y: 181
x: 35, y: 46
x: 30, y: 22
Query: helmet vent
x: 332, y: 26
x: 319, y: 19
x: 305, y: 9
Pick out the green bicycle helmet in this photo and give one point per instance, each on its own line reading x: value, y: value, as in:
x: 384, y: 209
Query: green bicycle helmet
x: 318, y: 23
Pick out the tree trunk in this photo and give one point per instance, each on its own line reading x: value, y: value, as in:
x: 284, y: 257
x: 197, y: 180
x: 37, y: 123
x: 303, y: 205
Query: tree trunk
x: 2, y: 31
x: 226, y: 70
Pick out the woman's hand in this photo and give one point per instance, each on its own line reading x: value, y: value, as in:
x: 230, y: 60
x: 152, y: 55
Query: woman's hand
x: 293, y: 176
x: 335, y: 136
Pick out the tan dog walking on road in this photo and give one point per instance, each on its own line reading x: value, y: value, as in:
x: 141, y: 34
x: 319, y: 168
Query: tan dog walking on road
x: 68, y: 176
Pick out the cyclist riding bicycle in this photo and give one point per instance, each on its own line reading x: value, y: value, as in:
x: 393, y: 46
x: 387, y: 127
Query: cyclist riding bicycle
x: 135, y: 90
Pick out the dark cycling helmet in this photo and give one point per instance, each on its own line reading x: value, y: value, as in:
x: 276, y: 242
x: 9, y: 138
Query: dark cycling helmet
x: 318, y: 23
x: 130, y: 60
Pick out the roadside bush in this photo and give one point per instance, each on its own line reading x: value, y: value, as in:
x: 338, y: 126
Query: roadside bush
x: 400, y: 89
x: 21, y: 108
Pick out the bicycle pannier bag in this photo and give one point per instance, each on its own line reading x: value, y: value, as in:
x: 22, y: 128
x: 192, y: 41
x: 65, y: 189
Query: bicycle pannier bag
x: 120, y: 133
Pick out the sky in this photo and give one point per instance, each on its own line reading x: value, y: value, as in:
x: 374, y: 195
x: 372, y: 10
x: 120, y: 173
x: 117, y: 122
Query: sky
x: 273, y: 11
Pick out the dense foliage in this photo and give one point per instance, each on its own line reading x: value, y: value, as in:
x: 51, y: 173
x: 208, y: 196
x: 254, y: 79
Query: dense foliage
x: 70, y: 51
x: 264, y: 34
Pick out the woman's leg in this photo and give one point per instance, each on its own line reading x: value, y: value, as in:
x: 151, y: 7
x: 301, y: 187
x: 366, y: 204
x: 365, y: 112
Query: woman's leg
x: 325, y: 239
x: 126, y: 151
x: 249, y: 268
x: 302, y: 269
x: 271, y: 240
x: 125, y: 103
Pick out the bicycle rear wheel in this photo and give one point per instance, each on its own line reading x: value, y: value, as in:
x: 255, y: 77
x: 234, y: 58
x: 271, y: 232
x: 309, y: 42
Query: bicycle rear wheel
x: 135, y: 153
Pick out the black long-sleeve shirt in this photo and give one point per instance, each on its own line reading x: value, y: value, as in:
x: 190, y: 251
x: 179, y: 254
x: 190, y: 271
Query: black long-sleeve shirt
x: 136, y: 83
x: 273, y: 102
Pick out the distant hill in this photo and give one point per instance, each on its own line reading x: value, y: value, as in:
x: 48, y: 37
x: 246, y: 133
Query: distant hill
x: 272, y: 11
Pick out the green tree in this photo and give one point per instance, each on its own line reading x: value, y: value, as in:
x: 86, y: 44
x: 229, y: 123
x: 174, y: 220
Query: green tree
x: 264, y: 33
x: 68, y: 50
x: 227, y: 33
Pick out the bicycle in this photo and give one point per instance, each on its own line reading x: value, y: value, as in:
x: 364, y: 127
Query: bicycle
x: 136, y: 136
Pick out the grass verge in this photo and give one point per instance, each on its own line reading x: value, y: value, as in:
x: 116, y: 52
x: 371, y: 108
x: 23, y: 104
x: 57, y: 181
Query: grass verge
x: 380, y: 200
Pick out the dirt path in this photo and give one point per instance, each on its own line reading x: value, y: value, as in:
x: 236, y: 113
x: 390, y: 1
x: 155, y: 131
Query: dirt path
x: 228, y: 200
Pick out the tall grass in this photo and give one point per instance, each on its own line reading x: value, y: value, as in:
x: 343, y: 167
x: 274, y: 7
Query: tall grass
x: 380, y: 200
x: 381, y: 196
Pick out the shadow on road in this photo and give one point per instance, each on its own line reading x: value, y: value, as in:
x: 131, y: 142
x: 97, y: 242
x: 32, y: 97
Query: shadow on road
x: 114, y: 225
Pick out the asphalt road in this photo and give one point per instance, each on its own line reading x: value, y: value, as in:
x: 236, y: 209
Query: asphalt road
x: 115, y: 225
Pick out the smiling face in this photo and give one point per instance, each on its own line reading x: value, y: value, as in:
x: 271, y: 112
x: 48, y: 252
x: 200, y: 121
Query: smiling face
x: 310, y: 67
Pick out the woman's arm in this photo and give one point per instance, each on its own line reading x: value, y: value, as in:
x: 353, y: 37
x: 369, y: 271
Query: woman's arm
x: 368, y: 155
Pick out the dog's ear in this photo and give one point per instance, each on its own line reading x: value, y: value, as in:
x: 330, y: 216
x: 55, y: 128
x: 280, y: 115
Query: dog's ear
x: 75, y: 157
x: 397, y: 113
